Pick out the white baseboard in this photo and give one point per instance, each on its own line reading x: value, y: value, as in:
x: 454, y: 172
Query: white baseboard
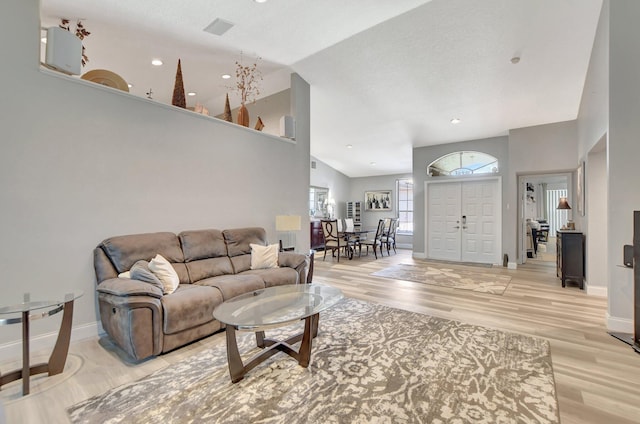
x: 512, y: 265
x: 597, y: 291
x: 419, y: 255
x: 619, y: 325
x: 13, y: 350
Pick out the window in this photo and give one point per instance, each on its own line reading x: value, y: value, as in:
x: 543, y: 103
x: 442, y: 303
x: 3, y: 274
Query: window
x: 463, y: 163
x: 404, y: 188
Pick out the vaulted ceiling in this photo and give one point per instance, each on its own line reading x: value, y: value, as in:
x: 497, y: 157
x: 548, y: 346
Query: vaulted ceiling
x: 385, y: 76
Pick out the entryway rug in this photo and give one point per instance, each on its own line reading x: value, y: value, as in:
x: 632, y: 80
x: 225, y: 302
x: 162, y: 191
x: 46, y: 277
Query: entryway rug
x: 369, y: 364
x: 474, y: 280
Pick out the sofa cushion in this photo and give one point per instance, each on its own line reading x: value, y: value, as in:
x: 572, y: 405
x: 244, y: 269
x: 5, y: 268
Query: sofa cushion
x: 165, y: 273
x: 205, y: 254
x: 239, y: 239
x: 124, y: 251
x: 202, y: 244
x: 140, y: 271
x: 234, y: 285
x: 189, y: 306
x: 263, y: 257
x: 275, y: 276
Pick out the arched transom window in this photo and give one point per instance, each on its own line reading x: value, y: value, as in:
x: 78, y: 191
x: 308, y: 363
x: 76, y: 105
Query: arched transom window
x: 463, y: 163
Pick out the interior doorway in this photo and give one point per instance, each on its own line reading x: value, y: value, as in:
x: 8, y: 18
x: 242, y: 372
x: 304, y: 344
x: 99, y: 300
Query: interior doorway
x: 464, y: 220
x: 539, y: 218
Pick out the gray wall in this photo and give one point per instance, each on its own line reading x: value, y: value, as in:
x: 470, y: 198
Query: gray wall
x: 423, y: 156
x: 80, y: 162
x: 593, y: 126
x: 540, y: 149
x: 623, y: 148
x: 370, y: 218
x: 338, y: 184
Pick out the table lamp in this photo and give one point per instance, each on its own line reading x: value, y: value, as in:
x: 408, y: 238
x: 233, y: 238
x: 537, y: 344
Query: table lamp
x: 563, y: 204
x: 287, y: 224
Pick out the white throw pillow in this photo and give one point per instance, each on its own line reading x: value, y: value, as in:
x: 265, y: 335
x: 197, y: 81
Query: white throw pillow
x: 165, y: 273
x: 126, y: 274
x: 264, y: 256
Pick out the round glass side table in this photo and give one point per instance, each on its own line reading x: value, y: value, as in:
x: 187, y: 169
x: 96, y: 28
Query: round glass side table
x: 30, y: 310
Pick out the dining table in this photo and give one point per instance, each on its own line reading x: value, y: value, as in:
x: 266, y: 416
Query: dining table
x: 354, y: 235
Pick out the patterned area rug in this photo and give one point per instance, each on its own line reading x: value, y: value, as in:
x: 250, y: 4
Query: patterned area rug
x: 370, y: 363
x: 474, y: 280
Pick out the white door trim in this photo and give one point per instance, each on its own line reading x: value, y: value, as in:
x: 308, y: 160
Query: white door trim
x: 443, y: 180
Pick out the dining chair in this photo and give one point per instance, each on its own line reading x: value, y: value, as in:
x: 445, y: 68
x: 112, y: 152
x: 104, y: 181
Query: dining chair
x: 389, y: 236
x: 348, y: 224
x: 376, y: 241
x: 333, y: 240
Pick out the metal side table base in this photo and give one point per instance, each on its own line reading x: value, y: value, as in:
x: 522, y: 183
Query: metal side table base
x: 58, y: 357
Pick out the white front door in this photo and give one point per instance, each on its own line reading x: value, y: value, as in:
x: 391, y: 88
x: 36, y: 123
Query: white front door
x: 479, y: 230
x: 464, y: 221
x: 444, y: 221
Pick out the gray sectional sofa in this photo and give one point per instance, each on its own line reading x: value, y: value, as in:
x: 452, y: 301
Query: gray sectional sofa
x: 212, y: 266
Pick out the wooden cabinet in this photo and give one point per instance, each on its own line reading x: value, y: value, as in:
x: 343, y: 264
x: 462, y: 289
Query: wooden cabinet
x: 570, y: 257
x: 317, y: 239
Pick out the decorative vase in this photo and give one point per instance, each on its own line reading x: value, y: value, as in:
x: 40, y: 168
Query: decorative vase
x: 227, y: 110
x: 243, y: 116
x: 259, y: 125
x: 178, y: 90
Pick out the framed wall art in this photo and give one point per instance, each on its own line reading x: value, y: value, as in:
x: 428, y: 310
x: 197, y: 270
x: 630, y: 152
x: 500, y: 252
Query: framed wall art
x: 379, y: 200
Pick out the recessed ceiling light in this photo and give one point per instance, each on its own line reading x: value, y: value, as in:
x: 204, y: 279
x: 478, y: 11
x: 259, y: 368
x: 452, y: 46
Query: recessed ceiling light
x: 349, y: 146
x: 455, y: 121
x: 156, y: 62
x: 372, y: 163
x: 260, y: 1
x: 191, y: 93
x: 226, y: 76
x: 130, y: 85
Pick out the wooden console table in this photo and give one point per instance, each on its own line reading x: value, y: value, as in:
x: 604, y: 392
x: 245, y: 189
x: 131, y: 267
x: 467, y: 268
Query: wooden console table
x: 28, y: 311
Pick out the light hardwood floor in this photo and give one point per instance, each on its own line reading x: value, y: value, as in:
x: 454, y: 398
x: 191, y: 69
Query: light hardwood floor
x: 597, y: 377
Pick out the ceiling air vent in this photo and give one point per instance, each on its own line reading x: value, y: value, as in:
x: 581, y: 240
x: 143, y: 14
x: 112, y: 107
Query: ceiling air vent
x: 219, y: 27
x: 313, y: 164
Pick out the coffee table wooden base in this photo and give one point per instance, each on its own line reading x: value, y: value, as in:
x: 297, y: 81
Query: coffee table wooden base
x: 237, y: 369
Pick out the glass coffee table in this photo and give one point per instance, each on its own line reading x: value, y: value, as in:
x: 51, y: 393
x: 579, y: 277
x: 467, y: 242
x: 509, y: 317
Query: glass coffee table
x: 270, y: 308
x: 27, y: 311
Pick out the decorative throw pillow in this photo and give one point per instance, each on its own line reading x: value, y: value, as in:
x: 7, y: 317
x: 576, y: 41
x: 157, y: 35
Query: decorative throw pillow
x: 126, y: 274
x: 165, y: 273
x: 264, y: 256
x: 140, y: 271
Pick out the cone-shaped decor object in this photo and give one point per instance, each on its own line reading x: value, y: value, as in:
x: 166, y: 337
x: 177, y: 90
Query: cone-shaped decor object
x: 259, y: 124
x: 227, y: 110
x: 178, y: 90
x: 243, y: 116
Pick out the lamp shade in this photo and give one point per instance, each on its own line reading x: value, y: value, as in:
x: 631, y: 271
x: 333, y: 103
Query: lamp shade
x: 288, y: 223
x: 563, y: 203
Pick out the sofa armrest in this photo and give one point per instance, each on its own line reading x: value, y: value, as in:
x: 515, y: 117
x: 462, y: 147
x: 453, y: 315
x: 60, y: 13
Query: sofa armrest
x: 297, y: 261
x: 127, y: 287
x: 291, y: 259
